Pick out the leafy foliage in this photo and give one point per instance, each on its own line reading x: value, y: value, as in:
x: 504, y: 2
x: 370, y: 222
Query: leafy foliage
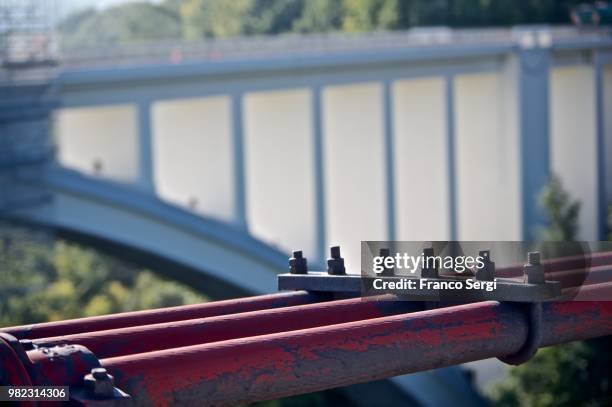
x: 572, y: 374
x: 42, y: 279
x: 131, y: 22
x: 561, y: 211
x: 199, y: 19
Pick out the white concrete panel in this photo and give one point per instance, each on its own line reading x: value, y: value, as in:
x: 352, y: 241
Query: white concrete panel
x: 487, y: 161
x: 420, y: 156
x: 573, y: 143
x: 354, y: 152
x: 279, y: 168
x: 192, y: 154
x: 99, y: 140
x: 607, y: 117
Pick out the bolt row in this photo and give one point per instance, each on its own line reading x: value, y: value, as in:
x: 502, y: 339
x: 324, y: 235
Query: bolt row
x: 533, y: 272
x: 335, y: 263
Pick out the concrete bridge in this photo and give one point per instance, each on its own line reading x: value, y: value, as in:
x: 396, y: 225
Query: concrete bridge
x: 224, y: 156
x: 211, y: 161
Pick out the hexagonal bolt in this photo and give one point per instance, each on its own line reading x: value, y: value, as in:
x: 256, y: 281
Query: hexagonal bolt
x: 100, y: 373
x: 335, y: 264
x: 487, y: 271
x: 533, y: 258
x: 99, y: 383
x: 298, y: 263
x: 387, y: 271
x: 429, y: 270
x: 533, y: 271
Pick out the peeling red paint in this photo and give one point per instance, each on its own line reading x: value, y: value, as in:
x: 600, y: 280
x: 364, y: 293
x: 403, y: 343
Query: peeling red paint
x: 175, y: 334
x: 138, y: 318
x: 266, y: 354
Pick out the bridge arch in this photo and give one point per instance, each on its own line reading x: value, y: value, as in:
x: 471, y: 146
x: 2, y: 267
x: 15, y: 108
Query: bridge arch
x: 217, y: 257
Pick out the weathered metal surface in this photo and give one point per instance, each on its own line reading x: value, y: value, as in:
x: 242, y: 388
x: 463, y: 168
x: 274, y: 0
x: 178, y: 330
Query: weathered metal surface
x: 67, y: 365
x: 64, y: 365
x: 12, y: 367
x: 99, y: 390
x: 592, y: 292
x: 148, y: 338
x: 253, y: 366
x: 552, y: 266
x: 282, y: 364
x: 578, y: 277
x: 576, y: 320
x: 318, y: 281
x: 335, y: 264
x: 533, y: 313
x: 136, y: 318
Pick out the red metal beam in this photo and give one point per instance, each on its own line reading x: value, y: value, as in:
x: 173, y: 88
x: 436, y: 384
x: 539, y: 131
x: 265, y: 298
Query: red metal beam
x: 579, y: 277
x: 176, y: 334
x: 282, y: 364
x: 592, y: 292
x: 552, y: 266
x: 136, y: 318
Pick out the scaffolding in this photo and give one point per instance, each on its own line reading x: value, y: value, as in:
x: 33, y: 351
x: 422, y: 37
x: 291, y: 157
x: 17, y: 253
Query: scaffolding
x: 27, y: 33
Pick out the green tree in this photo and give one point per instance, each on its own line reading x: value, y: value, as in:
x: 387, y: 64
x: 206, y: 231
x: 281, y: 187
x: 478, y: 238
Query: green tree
x: 561, y: 211
x: 214, y: 18
x: 320, y: 16
x: 572, y: 374
x: 44, y: 279
x: 370, y: 15
x: 131, y: 22
x: 568, y: 375
x: 199, y: 19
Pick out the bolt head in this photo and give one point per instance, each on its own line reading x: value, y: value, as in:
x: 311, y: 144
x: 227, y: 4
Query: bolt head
x: 533, y: 258
x: 485, y: 254
x: 428, y: 252
x: 335, y: 252
x: 99, y: 382
x: 100, y: 373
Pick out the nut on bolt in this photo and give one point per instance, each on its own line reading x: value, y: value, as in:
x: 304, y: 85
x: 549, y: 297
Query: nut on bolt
x: 387, y: 271
x: 335, y: 264
x: 486, y: 272
x: 533, y: 271
x: 429, y: 270
x: 99, y: 382
x: 297, y: 263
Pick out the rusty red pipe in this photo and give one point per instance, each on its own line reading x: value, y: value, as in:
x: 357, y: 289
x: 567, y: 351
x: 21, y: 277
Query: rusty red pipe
x: 136, y: 318
x: 176, y: 334
x: 592, y: 292
x: 580, y: 277
x: 295, y: 362
x: 552, y: 266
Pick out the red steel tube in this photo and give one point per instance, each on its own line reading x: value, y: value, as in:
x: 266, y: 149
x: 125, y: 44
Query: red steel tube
x: 592, y: 292
x: 176, y: 334
x: 552, y: 266
x: 580, y: 277
x: 136, y: 318
x: 283, y: 364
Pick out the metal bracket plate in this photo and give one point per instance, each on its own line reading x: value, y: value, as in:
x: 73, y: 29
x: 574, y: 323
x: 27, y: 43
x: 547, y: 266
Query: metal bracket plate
x: 505, y: 289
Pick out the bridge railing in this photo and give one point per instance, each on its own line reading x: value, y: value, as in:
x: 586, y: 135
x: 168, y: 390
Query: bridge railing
x: 305, y: 45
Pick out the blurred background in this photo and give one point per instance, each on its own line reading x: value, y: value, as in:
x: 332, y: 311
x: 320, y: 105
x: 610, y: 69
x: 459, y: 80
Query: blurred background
x: 167, y: 152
